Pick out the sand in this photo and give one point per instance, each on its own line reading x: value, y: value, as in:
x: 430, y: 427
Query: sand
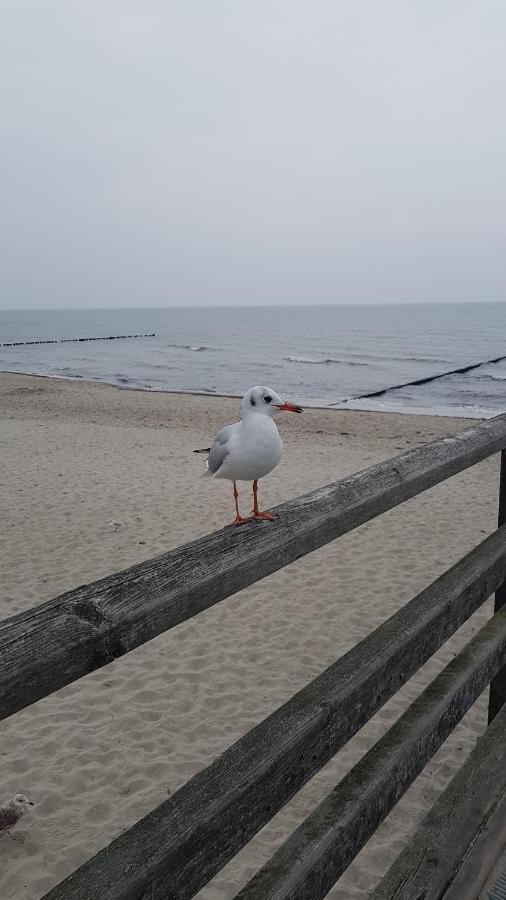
x: 101, y: 753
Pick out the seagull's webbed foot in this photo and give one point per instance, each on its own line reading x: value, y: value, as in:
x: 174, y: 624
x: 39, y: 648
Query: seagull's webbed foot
x: 267, y: 516
x: 240, y: 520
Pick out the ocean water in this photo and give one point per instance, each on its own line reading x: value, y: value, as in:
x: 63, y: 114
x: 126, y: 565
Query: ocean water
x: 318, y: 355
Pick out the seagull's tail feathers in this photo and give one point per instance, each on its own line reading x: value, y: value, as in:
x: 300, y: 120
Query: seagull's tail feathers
x: 207, y: 472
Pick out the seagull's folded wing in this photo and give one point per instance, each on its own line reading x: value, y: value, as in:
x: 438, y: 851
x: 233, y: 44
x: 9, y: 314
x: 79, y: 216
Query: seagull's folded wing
x: 220, y: 448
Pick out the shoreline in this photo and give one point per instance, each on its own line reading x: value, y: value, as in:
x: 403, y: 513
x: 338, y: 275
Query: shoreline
x: 356, y: 405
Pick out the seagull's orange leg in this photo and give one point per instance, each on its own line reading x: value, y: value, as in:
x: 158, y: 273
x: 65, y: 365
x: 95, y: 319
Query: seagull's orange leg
x: 239, y: 520
x: 256, y: 512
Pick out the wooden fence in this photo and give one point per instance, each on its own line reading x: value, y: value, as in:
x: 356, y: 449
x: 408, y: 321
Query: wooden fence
x: 178, y: 847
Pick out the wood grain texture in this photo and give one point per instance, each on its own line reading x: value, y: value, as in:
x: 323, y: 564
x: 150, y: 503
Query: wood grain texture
x: 498, y: 685
x: 476, y: 871
x: 180, y: 846
x: 442, y: 844
x: 52, y: 645
x: 312, y: 859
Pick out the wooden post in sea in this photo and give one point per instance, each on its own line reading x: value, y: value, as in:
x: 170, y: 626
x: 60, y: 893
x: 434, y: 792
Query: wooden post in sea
x: 497, y: 695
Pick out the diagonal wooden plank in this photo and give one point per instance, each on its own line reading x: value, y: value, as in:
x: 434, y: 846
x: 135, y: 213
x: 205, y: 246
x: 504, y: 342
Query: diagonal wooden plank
x: 180, y: 846
x: 445, y: 839
x: 484, y: 859
x: 312, y: 859
x: 54, y: 644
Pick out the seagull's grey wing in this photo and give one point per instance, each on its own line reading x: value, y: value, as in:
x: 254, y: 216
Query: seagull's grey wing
x: 219, y: 451
x: 8, y: 818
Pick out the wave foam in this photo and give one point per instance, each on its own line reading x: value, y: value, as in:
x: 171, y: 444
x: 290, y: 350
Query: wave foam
x: 328, y: 361
x: 196, y: 348
x: 488, y: 377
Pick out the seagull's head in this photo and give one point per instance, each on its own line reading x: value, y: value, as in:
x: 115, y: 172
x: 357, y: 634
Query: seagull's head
x: 266, y: 401
x: 21, y: 801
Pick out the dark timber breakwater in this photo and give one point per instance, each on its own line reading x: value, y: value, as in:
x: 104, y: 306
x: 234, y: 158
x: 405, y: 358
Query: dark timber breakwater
x: 394, y: 387
x: 110, y: 337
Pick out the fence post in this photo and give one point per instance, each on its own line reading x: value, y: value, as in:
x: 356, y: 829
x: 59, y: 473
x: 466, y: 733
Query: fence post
x: 497, y: 696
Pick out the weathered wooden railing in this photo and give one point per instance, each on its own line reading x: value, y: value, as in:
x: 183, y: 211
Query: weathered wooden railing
x: 178, y: 847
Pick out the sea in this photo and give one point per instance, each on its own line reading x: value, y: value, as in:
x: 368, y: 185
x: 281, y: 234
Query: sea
x: 329, y: 356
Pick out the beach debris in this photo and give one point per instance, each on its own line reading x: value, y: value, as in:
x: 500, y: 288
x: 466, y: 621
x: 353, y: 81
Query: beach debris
x: 11, y: 811
x: 115, y: 525
x: 250, y: 448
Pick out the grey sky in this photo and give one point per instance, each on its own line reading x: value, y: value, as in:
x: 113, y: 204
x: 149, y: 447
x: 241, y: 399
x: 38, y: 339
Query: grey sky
x: 272, y: 151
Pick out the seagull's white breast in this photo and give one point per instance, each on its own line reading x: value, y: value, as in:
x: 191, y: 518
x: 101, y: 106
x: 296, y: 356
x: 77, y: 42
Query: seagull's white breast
x: 254, y: 450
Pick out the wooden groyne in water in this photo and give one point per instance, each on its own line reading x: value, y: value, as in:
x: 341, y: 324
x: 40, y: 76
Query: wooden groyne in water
x: 178, y: 847
x: 109, y: 337
x: 425, y: 380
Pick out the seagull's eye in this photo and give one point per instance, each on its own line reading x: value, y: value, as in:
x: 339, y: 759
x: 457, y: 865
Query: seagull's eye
x: 267, y: 399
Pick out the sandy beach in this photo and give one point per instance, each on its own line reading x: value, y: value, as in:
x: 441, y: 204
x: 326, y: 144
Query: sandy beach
x: 96, y: 756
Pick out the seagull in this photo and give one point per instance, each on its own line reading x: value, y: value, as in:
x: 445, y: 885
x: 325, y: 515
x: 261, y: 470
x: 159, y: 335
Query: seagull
x: 251, y: 448
x: 12, y: 811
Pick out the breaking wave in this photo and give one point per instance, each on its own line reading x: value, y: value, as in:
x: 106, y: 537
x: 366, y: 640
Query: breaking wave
x: 328, y: 361
x: 196, y: 348
x: 488, y: 377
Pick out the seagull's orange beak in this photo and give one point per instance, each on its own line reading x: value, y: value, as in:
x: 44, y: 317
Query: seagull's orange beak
x: 289, y: 407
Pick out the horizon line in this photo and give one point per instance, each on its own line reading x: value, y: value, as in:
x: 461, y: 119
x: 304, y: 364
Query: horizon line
x: 255, y: 305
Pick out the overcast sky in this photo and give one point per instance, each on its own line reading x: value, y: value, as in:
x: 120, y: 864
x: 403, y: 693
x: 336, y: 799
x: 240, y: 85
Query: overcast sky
x: 236, y: 152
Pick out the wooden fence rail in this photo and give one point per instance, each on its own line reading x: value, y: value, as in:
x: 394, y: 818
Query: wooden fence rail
x: 179, y: 846
x: 319, y: 851
x: 176, y: 849
x: 47, y: 647
x: 439, y: 852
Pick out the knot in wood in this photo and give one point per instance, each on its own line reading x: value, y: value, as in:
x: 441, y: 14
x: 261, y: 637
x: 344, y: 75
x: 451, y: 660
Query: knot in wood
x: 89, y: 611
